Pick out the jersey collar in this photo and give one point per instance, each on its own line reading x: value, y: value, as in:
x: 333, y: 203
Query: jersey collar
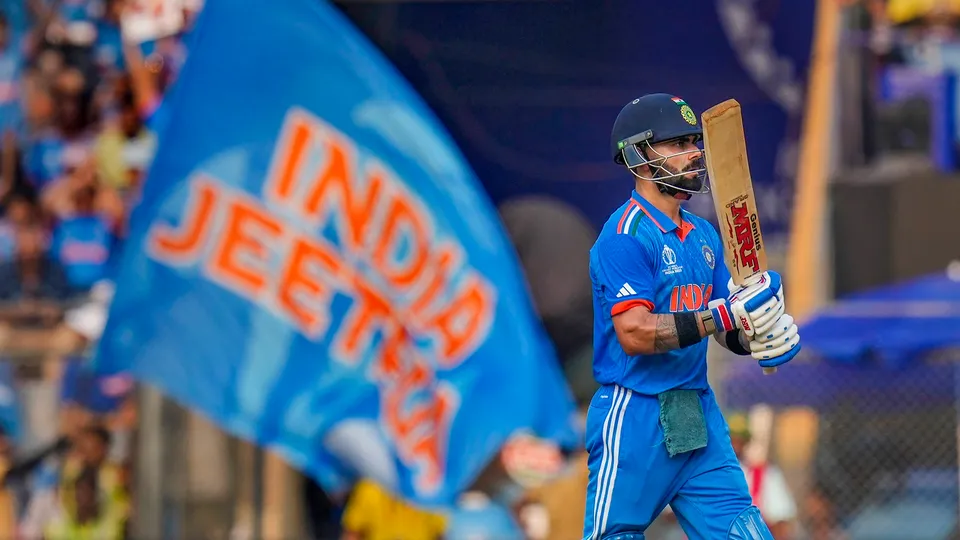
x: 664, y: 223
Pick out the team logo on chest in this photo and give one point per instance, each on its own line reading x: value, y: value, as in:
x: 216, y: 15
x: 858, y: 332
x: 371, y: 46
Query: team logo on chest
x: 690, y: 297
x: 708, y: 256
x: 669, y: 257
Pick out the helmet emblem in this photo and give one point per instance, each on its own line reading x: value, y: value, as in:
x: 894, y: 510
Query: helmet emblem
x: 685, y: 111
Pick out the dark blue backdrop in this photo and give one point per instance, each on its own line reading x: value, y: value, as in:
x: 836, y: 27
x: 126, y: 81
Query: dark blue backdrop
x: 531, y: 89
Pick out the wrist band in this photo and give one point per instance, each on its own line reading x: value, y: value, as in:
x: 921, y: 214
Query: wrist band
x: 688, y: 333
x: 709, y: 325
x: 723, y: 318
x: 734, y: 345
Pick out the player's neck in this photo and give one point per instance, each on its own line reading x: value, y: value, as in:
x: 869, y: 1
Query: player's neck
x: 669, y: 205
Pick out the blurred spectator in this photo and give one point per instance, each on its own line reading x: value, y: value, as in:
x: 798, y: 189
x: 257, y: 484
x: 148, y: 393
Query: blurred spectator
x: 92, y: 495
x: 766, y: 482
x: 93, y: 445
x: 89, y: 500
x: 125, y: 147
x: 11, y: 70
x: 85, y: 393
x: 19, y: 213
x: 84, y: 513
x: 32, y: 274
x: 87, y: 217
x: 72, y: 26
x: 372, y: 513
x: 81, y: 386
x: 108, y: 52
x: 66, y: 141
x: 83, y: 324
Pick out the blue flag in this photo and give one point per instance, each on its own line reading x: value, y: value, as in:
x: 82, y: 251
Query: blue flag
x: 314, y: 266
x: 10, y: 409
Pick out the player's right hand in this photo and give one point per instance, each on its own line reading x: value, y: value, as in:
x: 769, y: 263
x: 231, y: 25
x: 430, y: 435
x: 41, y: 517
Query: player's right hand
x: 757, y: 304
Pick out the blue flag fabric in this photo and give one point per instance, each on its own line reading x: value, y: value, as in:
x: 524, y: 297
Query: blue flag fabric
x: 10, y: 409
x: 314, y: 266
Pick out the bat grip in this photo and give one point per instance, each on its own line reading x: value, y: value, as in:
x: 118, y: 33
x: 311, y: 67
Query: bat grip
x: 769, y: 370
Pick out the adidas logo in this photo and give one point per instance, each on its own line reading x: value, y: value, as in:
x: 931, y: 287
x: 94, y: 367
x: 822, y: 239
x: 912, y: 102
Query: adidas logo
x: 626, y: 290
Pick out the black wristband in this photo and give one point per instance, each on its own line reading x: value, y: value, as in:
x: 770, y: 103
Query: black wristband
x: 688, y: 333
x: 733, y: 343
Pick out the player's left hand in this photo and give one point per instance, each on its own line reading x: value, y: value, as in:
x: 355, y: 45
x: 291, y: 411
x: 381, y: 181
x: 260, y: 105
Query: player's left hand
x: 778, y: 345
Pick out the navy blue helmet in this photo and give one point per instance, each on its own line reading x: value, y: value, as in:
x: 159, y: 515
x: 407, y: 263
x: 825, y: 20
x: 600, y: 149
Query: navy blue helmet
x: 652, y: 119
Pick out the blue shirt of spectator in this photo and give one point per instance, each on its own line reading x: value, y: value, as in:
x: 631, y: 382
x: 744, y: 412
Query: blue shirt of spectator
x: 8, y: 241
x: 12, y: 60
x: 108, y: 49
x: 76, y: 10
x: 100, y: 394
x: 82, y: 245
x: 44, y: 159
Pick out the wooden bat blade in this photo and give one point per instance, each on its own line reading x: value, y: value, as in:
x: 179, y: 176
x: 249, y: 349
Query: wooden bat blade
x: 728, y: 170
x: 732, y: 187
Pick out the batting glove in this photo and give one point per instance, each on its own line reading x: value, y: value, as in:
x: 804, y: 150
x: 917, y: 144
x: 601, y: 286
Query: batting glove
x: 753, y: 307
x: 758, y: 303
x: 778, y: 345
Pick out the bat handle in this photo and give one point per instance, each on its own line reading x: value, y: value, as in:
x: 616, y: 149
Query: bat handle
x: 769, y: 370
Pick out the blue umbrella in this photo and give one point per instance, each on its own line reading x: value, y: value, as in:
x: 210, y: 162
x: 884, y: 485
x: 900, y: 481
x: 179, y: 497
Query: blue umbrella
x: 892, y: 324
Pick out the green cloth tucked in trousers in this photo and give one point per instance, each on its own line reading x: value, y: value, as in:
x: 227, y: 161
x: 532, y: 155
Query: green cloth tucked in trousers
x: 684, y: 425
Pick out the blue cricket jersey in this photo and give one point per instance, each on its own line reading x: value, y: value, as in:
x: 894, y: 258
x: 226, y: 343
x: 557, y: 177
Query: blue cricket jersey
x: 642, y: 258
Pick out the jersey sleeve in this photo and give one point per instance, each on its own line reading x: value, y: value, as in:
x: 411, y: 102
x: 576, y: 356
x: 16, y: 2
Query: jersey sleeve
x: 625, y: 273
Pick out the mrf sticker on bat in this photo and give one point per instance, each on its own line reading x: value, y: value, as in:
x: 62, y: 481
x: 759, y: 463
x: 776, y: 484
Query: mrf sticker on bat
x: 743, y: 227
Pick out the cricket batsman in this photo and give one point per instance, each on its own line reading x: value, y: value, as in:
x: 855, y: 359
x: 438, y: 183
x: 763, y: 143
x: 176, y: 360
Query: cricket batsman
x: 655, y: 434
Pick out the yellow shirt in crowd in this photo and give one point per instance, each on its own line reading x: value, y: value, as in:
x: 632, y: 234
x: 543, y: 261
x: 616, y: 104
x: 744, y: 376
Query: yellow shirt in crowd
x: 375, y: 514
x: 113, y: 511
x: 101, y: 529
x: 901, y: 11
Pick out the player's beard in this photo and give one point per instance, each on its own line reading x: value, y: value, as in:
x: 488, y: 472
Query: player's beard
x: 690, y: 182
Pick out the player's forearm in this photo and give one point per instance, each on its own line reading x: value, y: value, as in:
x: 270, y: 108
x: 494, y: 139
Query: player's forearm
x: 668, y: 334
x: 654, y: 333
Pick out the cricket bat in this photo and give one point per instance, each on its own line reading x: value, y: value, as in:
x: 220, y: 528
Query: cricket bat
x: 729, y: 171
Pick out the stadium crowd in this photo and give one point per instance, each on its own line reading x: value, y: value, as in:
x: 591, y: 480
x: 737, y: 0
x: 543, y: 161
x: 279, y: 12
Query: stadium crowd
x: 81, y: 94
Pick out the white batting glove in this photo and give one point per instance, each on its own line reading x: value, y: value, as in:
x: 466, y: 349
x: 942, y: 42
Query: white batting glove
x: 777, y: 345
x: 757, y: 304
